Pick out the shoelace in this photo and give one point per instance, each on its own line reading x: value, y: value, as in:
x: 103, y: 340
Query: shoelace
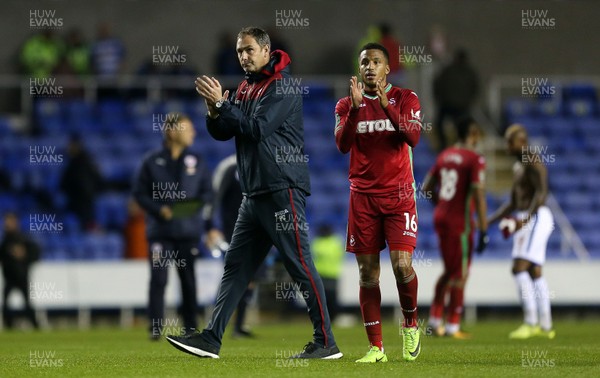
x: 411, y: 340
x: 309, y: 347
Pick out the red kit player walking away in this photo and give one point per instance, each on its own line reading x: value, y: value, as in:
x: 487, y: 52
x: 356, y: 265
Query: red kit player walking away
x: 457, y: 182
x: 379, y: 124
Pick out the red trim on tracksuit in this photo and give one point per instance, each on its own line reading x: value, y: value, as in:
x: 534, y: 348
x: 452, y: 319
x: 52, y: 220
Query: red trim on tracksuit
x: 310, y: 277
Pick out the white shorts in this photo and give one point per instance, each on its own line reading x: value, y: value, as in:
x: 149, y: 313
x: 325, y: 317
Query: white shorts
x: 531, y: 240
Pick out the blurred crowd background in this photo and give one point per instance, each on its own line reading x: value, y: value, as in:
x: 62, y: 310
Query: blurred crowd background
x: 83, y: 87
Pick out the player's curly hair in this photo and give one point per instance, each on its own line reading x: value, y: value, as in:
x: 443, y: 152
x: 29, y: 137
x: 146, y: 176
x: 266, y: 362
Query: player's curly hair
x: 376, y: 46
x: 261, y: 36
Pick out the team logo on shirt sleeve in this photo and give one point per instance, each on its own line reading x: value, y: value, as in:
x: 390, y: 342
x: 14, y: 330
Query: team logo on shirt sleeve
x: 416, y: 116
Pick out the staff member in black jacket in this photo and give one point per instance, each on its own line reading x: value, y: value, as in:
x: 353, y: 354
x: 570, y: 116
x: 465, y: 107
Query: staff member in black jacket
x: 269, y: 136
x: 171, y: 186
x: 17, y: 253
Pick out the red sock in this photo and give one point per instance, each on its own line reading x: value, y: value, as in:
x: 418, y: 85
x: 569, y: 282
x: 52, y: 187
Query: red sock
x: 370, y: 306
x: 441, y: 288
x: 455, y: 307
x: 408, y: 300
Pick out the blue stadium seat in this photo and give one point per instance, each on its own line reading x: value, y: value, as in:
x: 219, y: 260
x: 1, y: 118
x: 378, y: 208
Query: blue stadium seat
x: 590, y: 128
x: 576, y: 202
x: 518, y: 107
x: 586, y: 220
x: 49, y: 115
x: 79, y: 116
x: 114, y: 246
x: 581, y: 108
x: 560, y: 181
x: 5, y: 126
x: 8, y: 202
x: 111, y: 210
x: 591, y: 240
x: 113, y: 116
x: 580, y: 91
x: 195, y: 108
x: 549, y: 108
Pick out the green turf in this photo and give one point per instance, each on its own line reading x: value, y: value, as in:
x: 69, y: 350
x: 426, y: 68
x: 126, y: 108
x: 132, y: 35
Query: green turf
x: 128, y: 353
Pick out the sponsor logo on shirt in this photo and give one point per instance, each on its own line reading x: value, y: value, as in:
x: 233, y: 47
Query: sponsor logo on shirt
x: 374, y: 126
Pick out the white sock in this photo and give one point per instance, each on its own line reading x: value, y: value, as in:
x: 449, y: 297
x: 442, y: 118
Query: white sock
x: 542, y: 296
x: 435, y: 321
x: 527, y: 297
x: 452, y: 328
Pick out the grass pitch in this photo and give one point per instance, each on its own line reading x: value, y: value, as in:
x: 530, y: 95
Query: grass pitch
x: 111, y: 352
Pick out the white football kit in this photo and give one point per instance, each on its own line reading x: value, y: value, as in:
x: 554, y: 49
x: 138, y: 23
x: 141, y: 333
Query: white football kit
x: 530, y: 241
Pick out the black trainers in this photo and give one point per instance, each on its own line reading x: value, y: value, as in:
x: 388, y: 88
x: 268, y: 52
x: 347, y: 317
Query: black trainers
x: 194, y: 344
x: 312, y: 350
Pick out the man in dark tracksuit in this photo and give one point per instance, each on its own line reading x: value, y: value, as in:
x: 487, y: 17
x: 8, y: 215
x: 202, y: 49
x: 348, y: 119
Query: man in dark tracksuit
x: 171, y: 186
x: 269, y: 137
x: 17, y: 253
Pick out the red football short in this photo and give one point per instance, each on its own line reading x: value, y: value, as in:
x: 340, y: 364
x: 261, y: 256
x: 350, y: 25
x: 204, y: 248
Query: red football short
x: 373, y: 220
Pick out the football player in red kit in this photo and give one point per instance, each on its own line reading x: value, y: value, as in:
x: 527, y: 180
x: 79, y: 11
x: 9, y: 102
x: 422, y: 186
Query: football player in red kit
x: 457, y: 183
x: 379, y: 124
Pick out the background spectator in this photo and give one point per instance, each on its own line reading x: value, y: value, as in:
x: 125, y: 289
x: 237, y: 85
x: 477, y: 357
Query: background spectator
x: 17, y: 253
x: 77, y: 52
x: 455, y: 90
x: 41, y: 54
x: 107, y: 53
x: 81, y: 182
x: 392, y: 45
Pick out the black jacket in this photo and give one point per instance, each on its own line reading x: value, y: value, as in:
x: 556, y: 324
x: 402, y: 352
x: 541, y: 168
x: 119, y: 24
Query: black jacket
x: 16, y: 270
x: 164, y: 181
x: 265, y: 118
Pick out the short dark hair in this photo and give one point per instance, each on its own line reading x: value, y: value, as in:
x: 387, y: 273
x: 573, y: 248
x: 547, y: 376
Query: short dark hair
x: 376, y: 46
x: 261, y: 36
x: 463, y: 126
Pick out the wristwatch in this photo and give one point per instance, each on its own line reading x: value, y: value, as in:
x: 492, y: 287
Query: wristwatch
x: 219, y: 103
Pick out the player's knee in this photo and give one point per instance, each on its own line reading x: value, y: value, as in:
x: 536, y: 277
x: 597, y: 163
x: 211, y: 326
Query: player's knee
x: 458, y: 282
x: 368, y: 276
x: 535, y: 272
x: 402, y: 272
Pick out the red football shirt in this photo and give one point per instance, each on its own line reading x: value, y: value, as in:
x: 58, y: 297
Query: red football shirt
x: 379, y: 141
x: 458, y: 171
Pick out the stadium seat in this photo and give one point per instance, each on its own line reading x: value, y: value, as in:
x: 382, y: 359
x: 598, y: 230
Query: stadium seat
x: 113, y: 116
x: 576, y: 202
x: 518, y: 108
x: 580, y: 91
x: 49, y: 116
x: 111, y: 210
x: 581, y: 108
x: 5, y: 126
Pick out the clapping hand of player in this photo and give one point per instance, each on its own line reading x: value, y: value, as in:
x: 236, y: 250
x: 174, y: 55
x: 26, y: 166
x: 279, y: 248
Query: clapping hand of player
x: 211, y: 90
x: 383, y: 100
x: 356, y: 89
